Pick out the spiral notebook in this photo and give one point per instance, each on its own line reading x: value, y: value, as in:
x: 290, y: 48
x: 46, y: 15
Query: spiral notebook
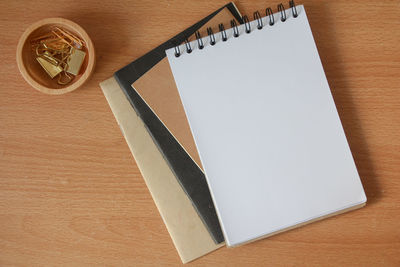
x: 268, y: 133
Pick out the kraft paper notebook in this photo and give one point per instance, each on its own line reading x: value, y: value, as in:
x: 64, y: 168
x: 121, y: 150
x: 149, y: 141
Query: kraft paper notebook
x: 188, y: 173
x: 189, y: 235
x: 188, y: 231
x: 158, y: 89
x: 268, y: 133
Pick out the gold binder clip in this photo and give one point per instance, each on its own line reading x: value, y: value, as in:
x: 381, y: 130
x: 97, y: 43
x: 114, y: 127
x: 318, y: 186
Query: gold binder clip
x: 51, y: 70
x: 45, y: 53
x: 75, y: 61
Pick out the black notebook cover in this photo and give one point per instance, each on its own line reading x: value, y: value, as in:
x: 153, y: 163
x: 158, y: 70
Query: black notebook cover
x: 189, y: 175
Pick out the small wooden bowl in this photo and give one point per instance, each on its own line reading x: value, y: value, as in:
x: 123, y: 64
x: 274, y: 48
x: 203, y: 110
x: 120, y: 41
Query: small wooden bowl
x: 35, y: 75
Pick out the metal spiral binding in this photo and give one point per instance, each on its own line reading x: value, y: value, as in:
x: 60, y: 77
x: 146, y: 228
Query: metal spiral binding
x: 188, y: 46
x: 223, y: 32
x: 257, y: 17
x: 177, y: 51
x: 211, y: 35
x: 246, y: 24
x: 294, y: 9
x: 281, y: 9
x: 199, y: 40
x: 235, y: 29
x: 270, y: 15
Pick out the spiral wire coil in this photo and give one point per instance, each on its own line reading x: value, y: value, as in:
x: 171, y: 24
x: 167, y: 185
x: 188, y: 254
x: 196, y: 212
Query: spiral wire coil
x: 235, y: 29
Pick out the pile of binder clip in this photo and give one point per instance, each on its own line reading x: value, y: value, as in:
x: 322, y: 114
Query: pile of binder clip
x: 60, y: 53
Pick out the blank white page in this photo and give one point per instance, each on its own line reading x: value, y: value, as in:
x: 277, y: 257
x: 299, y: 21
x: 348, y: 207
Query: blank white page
x: 266, y: 128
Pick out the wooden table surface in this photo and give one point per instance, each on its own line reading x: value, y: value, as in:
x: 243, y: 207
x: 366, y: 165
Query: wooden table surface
x: 71, y: 193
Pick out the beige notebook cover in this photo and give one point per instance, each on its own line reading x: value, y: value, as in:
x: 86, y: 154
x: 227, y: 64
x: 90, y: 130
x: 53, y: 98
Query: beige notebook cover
x: 187, y: 231
x: 158, y: 89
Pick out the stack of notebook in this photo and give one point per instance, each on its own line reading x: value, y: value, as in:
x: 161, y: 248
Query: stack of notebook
x: 235, y: 131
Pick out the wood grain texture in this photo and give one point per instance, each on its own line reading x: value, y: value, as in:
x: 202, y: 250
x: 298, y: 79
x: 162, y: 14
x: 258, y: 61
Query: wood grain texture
x: 71, y: 193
